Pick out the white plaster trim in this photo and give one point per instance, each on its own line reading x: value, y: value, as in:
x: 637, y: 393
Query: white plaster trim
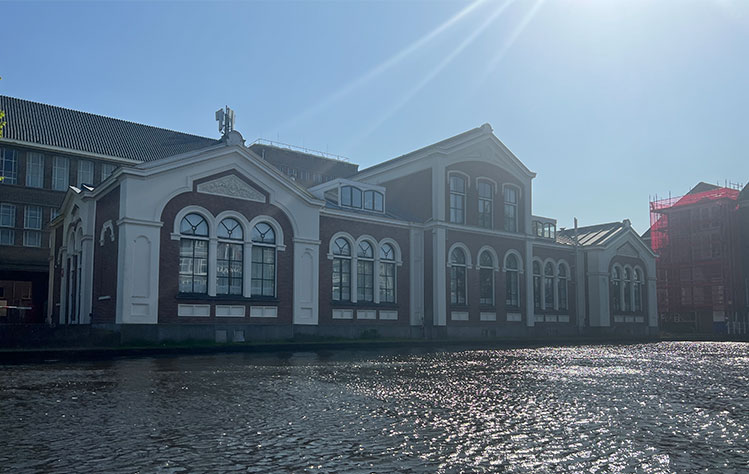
x: 231, y: 186
x: 104, y: 227
x: 263, y: 311
x: 343, y: 314
x: 230, y: 311
x: 459, y: 315
x: 495, y: 258
x: 388, y: 315
x: 465, y: 249
x: 194, y: 310
x: 518, y: 256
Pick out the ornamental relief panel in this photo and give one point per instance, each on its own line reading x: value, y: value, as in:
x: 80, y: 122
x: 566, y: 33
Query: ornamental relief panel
x: 231, y: 186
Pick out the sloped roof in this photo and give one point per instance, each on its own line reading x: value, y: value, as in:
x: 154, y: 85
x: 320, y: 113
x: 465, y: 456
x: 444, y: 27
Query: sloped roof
x: 49, y: 125
x: 600, y: 234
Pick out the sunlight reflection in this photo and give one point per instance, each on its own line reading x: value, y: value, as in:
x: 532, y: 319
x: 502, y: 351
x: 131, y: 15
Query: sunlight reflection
x: 382, y: 67
x: 430, y: 76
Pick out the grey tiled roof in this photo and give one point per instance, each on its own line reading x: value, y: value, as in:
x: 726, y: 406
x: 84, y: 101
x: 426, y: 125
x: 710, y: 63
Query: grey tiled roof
x: 49, y: 125
x: 600, y: 234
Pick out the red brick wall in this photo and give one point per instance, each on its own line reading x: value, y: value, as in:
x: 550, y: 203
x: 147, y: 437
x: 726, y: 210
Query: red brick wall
x: 328, y: 227
x: 410, y: 197
x: 169, y: 267
x: 105, y: 259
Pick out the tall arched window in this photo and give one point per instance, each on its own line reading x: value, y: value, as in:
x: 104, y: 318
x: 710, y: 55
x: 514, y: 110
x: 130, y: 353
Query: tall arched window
x: 387, y: 274
x: 486, y: 278
x: 616, y: 288
x: 537, y: 285
x: 549, y: 285
x: 627, y: 301
x: 512, y: 282
x: 457, y: 199
x: 486, y: 203
x: 229, y: 260
x: 365, y: 272
x: 341, y: 270
x: 638, y: 290
x: 458, y: 277
x: 263, y: 260
x: 562, y: 285
x: 193, y: 254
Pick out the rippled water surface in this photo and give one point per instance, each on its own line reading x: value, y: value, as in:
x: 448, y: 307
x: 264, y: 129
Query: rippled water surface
x: 667, y: 407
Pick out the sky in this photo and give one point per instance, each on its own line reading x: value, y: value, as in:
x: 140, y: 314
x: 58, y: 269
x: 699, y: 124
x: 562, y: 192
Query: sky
x: 610, y: 102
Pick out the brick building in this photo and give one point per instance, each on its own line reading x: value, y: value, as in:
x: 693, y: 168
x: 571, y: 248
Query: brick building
x: 227, y: 242
x: 702, y: 242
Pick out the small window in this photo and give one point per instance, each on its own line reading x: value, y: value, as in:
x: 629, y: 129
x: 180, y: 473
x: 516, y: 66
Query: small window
x: 7, y: 224
x: 32, y: 222
x: 373, y: 200
x: 60, y: 173
x: 351, y: 197
x: 485, y: 204
x: 511, y: 209
x: 106, y: 170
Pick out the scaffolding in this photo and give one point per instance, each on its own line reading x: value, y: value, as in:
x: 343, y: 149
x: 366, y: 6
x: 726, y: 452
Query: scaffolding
x: 695, y: 239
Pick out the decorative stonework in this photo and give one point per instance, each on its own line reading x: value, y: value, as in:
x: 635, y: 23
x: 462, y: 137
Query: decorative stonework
x: 628, y: 249
x: 231, y: 186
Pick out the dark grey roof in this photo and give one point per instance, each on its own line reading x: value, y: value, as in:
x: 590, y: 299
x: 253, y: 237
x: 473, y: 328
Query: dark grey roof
x: 600, y: 234
x: 49, y: 125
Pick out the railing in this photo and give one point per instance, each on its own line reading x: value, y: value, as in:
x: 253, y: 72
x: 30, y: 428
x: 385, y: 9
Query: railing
x: 309, y: 151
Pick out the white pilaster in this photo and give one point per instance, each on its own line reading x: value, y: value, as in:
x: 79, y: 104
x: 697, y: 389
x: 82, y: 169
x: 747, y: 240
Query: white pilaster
x: 439, y: 269
x: 306, y: 281
x: 530, y: 317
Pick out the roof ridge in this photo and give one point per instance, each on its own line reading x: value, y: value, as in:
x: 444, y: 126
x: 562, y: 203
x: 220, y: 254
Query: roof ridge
x: 105, y: 117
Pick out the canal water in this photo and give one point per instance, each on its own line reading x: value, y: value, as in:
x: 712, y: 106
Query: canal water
x: 665, y: 407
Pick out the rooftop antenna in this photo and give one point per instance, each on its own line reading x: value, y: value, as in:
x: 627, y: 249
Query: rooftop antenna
x: 225, y: 119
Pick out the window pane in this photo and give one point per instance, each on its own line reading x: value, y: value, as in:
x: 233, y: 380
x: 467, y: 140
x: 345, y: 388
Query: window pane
x: 106, y: 170
x: 365, y: 250
x: 85, y: 173
x: 379, y: 204
x: 194, y: 224
x: 369, y: 200
x: 32, y: 218
x: 263, y: 233
x: 9, y: 165
x: 346, y: 196
x: 7, y: 215
x: 60, y: 173
x: 356, y: 197
x: 230, y: 229
x: 32, y: 238
x: 35, y: 170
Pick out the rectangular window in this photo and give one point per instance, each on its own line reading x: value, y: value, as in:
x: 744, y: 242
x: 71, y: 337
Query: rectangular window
x: 511, y: 209
x: 7, y: 224
x: 60, y: 173
x: 341, y: 279
x: 486, y: 193
x: 9, y: 166
x: 387, y: 283
x: 457, y: 199
x: 53, y: 212
x: 486, y: 286
x: 106, y: 170
x: 85, y: 173
x: 32, y: 223
x: 35, y: 170
x: 365, y: 280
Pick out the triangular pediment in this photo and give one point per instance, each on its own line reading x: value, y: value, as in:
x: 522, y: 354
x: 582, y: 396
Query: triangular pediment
x: 231, y: 186
x: 628, y: 250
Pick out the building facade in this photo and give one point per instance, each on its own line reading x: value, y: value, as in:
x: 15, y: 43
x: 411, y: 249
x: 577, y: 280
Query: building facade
x: 223, y: 243
x: 703, y: 260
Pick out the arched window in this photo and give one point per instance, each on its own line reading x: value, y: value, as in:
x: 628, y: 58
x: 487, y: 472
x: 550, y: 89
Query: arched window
x: 486, y: 278
x: 537, y: 285
x: 627, y: 299
x: 387, y: 274
x: 616, y: 288
x: 230, y: 260
x: 486, y: 203
x: 341, y: 270
x: 374, y: 201
x: 193, y: 254
x: 562, y: 285
x: 365, y: 272
x: 512, y: 282
x: 638, y: 290
x: 511, y: 209
x: 263, y: 260
x: 351, y: 197
x: 549, y: 285
x: 457, y: 199
x: 458, y: 277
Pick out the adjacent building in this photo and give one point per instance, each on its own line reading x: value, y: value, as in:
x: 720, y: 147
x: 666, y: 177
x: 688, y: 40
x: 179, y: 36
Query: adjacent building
x: 702, y: 243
